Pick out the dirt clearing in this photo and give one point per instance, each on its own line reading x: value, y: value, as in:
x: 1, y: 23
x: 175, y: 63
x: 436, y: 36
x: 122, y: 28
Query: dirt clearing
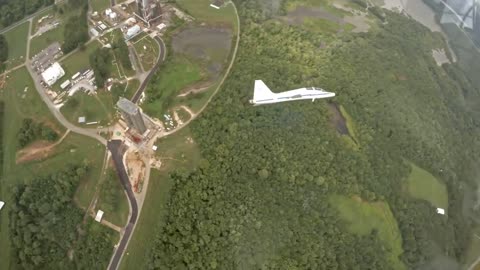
x: 38, y: 150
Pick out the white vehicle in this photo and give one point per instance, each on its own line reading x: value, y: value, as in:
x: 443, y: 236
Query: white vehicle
x: 1, y: 205
x: 263, y: 95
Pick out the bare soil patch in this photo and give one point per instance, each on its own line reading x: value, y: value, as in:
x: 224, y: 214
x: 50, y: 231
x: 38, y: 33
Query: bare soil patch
x: 38, y: 150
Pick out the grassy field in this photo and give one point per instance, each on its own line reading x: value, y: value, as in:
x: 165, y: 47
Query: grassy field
x: 176, y: 74
x: 423, y: 185
x: 147, y: 50
x: 132, y: 88
x: 118, y: 213
x: 17, y: 44
x: 363, y: 217
x: 39, y: 43
x: 201, y: 10
x: 20, y: 104
x: 99, y: 5
x: 183, y: 115
x: 80, y: 60
x: 176, y: 151
x: 95, y: 108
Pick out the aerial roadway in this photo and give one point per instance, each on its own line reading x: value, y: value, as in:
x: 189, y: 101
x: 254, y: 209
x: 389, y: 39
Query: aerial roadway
x: 263, y: 95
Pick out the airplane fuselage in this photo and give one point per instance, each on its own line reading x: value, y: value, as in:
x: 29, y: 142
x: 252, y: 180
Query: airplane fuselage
x: 297, y: 94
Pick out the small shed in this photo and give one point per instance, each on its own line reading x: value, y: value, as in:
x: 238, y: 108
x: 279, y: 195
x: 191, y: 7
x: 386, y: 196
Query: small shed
x: 98, y: 217
x: 440, y: 211
x: 81, y: 119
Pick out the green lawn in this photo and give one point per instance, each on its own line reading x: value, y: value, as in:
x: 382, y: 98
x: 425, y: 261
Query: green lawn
x: 423, y: 185
x: 178, y: 153
x: 17, y: 44
x: 183, y: 115
x: 177, y: 73
x: 95, y: 108
x: 147, y: 50
x: 201, y: 10
x: 38, y: 43
x: 363, y: 217
x: 20, y: 104
x: 113, y: 200
x: 78, y: 61
x: 99, y: 5
x: 132, y: 87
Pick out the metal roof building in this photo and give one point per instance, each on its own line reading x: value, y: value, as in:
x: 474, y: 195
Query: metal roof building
x: 132, y: 115
x: 53, y: 73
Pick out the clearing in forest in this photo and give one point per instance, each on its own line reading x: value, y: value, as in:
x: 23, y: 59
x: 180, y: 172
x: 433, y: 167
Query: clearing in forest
x: 423, y: 185
x: 363, y: 217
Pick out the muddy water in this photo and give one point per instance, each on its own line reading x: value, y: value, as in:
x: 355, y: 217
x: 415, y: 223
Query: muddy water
x: 338, y: 120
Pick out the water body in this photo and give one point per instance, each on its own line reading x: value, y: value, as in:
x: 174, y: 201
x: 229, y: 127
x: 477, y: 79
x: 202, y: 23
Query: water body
x: 420, y: 12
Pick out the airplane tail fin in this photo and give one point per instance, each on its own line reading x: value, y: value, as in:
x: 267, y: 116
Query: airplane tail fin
x: 261, y: 91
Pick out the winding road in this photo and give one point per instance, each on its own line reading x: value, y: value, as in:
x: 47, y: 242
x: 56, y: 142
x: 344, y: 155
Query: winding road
x: 160, y: 59
x: 116, y: 147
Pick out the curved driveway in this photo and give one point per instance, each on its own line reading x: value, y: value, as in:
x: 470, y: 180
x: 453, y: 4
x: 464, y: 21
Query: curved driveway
x: 58, y: 115
x: 160, y: 59
x: 118, y: 149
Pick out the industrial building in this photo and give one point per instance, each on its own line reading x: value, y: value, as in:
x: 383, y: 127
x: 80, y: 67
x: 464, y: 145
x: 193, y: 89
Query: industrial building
x: 148, y: 10
x: 132, y: 32
x: 132, y: 115
x: 53, y: 73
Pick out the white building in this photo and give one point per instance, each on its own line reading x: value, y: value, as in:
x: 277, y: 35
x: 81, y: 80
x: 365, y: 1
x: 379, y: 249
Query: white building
x: 441, y: 211
x: 98, y: 217
x: 132, y: 31
x: 53, y: 73
x: 65, y: 84
x: 1, y: 205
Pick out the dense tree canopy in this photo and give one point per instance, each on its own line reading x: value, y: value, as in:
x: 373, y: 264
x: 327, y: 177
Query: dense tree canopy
x: 121, y: 52
x: 75, y: 33
x: 46, y: 225
x: 31, y: 131
x: 260, y: 198
x: 14, y: 10
x: 100, y: 62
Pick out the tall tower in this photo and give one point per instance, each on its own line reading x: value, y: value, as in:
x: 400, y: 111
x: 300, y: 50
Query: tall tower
x: 132, y: 115
x: 148, y: 10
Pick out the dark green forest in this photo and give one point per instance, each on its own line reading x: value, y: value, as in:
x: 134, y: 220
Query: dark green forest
x: 76, y: 28
x: 259, y: 199
x: 47, y: 228
x: 31, y: 131
x: 14, y: 10
x: 100, y: 62
x: 3, y: 52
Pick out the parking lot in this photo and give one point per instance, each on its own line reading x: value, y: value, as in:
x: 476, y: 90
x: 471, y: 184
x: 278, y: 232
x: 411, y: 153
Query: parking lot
x: 46, y: 57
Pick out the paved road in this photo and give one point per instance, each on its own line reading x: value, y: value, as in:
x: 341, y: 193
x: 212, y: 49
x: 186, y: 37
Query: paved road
x: 117, y: 149
x: 160, y: 59
x: 56, y: 112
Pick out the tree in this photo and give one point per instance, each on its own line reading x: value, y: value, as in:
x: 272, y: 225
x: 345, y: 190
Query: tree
x: 100, y: 61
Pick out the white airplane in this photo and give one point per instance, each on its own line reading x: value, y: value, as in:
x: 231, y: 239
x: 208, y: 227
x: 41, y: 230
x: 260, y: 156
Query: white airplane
x: 263, y: 95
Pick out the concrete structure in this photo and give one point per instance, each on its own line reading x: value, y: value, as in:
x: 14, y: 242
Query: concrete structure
x: 53, y: 73
x: 65, y: 84
x: 81, y: 119
x: 99, y: 216
x: 440, y: 211
x: 263, y: 95
x: 132, y: 115
x: 148, y: 10
x: 132, y: 32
